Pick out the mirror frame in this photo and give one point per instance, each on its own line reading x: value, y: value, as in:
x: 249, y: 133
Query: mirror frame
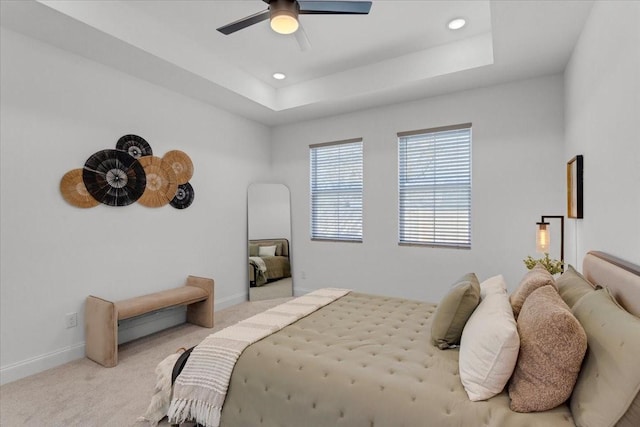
x: 268, y: 221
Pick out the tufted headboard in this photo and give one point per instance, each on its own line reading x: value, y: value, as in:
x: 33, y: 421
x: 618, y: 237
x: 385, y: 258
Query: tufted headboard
x: 620, y: 276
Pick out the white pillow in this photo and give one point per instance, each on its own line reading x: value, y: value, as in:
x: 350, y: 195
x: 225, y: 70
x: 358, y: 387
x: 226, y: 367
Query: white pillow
x: 489, y: 347
x: 492, y: 285
x: 267, y: 250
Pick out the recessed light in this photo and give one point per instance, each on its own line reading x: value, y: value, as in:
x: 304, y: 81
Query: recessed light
x: 456, y: 24
x: 279, y: 76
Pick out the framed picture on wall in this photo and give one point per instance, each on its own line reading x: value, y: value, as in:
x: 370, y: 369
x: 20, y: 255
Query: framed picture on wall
x: 574, y: 187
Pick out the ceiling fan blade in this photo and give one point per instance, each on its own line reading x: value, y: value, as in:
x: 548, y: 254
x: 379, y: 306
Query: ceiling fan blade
x: 244, y: 22
x: 334, y: 7
x: 302, y: 39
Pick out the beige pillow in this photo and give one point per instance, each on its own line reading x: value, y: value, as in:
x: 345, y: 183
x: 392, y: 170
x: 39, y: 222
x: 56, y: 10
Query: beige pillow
x: 535, y: 278
x: 267, y: 250
x: 552, y: 346
x: 454, y: 310
x: 489, y: 347
x: 492, y: 285
x: 608, y: 384
x: 572, y: 286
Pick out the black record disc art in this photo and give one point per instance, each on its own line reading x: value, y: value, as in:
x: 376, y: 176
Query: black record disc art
x: 135, y: 145
x: 184, y: 196
x: 114, y: 178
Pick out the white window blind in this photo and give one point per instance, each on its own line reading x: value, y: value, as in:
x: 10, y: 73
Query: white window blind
x: 434, y: 174
x: 336, y: 191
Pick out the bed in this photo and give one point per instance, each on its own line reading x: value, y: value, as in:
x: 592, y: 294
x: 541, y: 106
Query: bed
x: 265, y: 266
x: 365, y: 360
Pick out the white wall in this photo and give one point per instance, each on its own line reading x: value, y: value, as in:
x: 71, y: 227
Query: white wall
x: 56, y: 110
x: 518, y: 175
x: 602, y: 83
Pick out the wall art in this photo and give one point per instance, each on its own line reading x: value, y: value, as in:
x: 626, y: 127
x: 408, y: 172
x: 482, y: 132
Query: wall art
x: 574, y: 187
x: 131, y: 173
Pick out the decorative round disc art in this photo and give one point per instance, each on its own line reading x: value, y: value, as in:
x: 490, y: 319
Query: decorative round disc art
x: 75, y: 192
x: 135, y: 145
x: 181, y: 164
x: 162, y: 183
x: 184, y: 196
x: 114, y: 177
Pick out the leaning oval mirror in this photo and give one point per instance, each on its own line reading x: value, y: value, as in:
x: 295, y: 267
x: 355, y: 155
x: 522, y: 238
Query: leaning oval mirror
x: 269, y: 231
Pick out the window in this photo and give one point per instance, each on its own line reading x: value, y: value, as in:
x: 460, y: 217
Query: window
x: 336, y: 190
x: 434, y: 180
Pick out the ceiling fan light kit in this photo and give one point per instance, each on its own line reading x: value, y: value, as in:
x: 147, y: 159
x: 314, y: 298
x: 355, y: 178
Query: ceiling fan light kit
x: 284, y: 16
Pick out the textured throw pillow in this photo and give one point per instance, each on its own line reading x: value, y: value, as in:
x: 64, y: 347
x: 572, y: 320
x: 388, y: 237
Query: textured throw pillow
x: 572, y: 286
x: 606, y: 392
x: 454, y: 310
x: 267, y: 250
x: 552, y: 346
x: 535, y: 278
x: 489, y: 347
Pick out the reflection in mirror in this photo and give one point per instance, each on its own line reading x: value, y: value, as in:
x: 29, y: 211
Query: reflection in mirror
x: 269, y: 231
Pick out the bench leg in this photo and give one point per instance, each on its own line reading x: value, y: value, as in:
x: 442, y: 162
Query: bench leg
x: 201, y: 313
x: 101, y: 331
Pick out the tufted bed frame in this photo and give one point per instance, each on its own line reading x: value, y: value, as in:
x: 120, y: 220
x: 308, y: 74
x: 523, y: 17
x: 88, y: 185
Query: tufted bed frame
x: 367, y: 361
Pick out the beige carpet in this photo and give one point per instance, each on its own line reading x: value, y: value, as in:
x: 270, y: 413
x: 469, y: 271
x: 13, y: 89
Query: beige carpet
x: 83, y: 393
x: 279, y: 289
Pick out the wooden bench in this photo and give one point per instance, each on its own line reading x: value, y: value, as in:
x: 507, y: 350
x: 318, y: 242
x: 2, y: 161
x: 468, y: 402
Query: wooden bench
x: 102, y: 316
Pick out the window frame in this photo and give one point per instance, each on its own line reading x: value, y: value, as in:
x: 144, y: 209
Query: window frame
x: 313, y: 211
x: 435, y: 190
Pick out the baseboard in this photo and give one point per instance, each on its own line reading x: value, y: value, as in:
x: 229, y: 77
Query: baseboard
x: 33, y: 365
x: 231, y: 300
x: 138, y: 327
x: 128, y: 331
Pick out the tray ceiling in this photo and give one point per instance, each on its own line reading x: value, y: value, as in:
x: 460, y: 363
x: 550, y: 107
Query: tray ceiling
x: 401, y: 51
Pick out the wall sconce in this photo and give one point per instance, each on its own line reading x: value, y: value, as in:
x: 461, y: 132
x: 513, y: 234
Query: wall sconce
x: 543, y: 238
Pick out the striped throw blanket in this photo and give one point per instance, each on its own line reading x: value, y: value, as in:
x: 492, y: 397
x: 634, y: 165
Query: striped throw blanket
x: 200, y: 390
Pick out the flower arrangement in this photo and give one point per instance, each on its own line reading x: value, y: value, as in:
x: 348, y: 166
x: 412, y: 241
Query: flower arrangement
x: 553, y: 266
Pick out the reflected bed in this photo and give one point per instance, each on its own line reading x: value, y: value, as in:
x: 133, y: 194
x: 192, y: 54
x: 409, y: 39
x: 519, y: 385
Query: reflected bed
x: 265, y: 267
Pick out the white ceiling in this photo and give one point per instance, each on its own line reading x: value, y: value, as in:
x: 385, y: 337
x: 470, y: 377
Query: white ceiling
x: 401, y: 51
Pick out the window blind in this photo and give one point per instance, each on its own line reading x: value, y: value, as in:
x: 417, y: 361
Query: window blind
x: 336, y: 191
x: 434, y: 183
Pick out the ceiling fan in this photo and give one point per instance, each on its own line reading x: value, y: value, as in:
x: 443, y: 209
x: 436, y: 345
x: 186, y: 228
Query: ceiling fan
x: 283, y: 15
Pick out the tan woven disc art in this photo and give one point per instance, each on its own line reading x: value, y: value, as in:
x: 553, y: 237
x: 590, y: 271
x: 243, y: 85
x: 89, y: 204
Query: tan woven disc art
x: 162, y: 182
x: 75, y: 192
x: 181, y: 165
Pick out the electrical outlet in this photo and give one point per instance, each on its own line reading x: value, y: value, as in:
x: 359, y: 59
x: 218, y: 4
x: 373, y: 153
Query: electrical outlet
x: 71, y: 320
x: 303, y: 275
